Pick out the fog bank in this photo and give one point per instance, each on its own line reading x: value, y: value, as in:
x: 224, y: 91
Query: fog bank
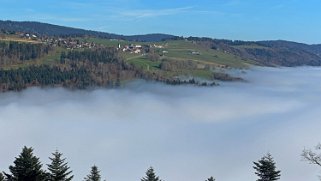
x: 185, y: 132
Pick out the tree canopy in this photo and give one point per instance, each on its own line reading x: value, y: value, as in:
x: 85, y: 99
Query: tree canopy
x: 266, y: 170
x: 150, y: 175
x: 27, y: 167
x: 58, y: 168
x: 94, y: 174
x: 210, y: 179
x: 1, y: 177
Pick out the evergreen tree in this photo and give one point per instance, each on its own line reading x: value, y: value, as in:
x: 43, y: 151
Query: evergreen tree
x: 210, y: 179
x: 58, y: 169
x: 94, y: 174
x: 150, y: 175
x: 27, y: 167
x: 1, y: 177
x: 266, y: 169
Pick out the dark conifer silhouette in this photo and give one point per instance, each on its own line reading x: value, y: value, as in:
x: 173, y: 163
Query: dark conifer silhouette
x: 1, y: 177
x: 94, y: 174
x: 210, y: 179
x: 150, y: 175
x: 266, y: 169
x: 27, y: 167
x: 58, y: 168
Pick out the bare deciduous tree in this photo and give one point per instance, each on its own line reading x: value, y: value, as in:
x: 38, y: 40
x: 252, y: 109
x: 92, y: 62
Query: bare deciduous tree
x: 313, y: 157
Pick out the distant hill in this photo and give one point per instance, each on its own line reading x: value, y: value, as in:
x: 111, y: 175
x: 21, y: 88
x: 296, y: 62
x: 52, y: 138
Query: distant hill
x: 316, y: 49
x: 77, y: 59
x: 225, y: 52
x: 272, y: 53
x: 56, y: 30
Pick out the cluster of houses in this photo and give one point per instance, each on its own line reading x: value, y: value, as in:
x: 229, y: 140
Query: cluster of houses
x: 28, y: 36
x: 72, y: 44
x: 68, y: 43
x: 137, y: 49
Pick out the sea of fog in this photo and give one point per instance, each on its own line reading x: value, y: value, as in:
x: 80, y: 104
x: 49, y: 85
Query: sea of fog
x: 186, y: 133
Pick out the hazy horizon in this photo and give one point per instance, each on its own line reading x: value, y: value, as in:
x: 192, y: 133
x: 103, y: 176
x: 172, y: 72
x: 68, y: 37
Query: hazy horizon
x: 184, y: 132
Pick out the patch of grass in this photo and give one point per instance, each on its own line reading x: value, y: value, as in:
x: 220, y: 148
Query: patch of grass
x: 205, y: 74
x: 129, y: 56
x: 180, y: 44
x: 183, y: 50
x: 53, y: 56
x: 17, y: 39
x: 144, y: 63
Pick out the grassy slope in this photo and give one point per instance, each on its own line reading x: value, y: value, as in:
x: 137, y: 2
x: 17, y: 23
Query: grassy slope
x: 182, y: 50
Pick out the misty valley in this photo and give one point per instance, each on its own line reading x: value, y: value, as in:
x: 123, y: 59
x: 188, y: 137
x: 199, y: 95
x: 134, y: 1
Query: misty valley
x: 119, y: 90
x: 217, y: 130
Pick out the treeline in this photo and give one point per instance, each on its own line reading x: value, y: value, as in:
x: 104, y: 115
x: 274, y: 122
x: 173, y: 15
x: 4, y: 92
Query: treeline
x: 191, y: 81
x: 15, y: 52
x: 27, y: 167
x: 44, y: 75
x: 105, y: 65
x: 101, y: 55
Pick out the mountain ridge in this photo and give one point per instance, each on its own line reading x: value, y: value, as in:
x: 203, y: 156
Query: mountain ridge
x: 46, y: 29
x: 60, y: 30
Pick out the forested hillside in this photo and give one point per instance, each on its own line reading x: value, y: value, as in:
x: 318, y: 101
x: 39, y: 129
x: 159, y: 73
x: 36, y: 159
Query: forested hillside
x: 76, y: 69
x: 14, y: 52
x: 269, y: 53
x: 40, y: 54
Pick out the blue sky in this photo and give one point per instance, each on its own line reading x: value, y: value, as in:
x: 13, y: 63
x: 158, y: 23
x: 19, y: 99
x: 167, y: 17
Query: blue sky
x: 295, y: 20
